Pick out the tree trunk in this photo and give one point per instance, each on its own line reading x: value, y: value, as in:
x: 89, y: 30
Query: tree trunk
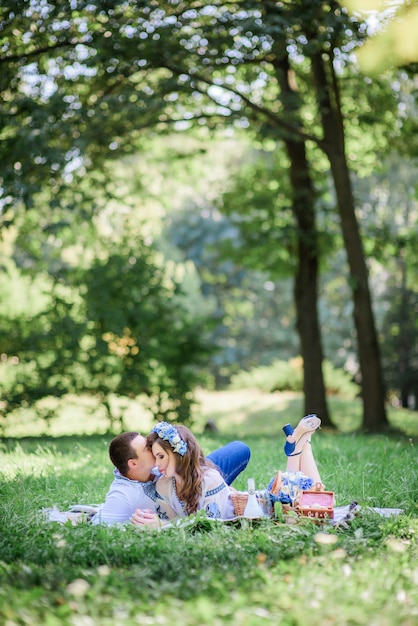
x: 404, y: 345
x: 306, y: 277
x: 306, y: 285
x: 373, y: 391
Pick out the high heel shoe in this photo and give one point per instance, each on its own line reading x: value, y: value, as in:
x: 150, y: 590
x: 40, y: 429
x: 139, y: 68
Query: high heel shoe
x: 307, y: 425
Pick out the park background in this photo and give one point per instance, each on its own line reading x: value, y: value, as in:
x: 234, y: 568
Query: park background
x: 208, y: 214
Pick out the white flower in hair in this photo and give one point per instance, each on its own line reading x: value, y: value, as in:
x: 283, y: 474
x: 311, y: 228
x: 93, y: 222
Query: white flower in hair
x: 169, y: 433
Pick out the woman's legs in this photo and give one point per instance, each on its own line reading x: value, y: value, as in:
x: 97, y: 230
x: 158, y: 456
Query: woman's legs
x: 302, y: 459
x: 308, y: 464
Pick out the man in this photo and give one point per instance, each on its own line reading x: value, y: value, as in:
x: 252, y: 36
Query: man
x: 135, y: 475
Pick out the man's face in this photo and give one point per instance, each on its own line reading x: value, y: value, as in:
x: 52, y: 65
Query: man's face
x: 140, y: 468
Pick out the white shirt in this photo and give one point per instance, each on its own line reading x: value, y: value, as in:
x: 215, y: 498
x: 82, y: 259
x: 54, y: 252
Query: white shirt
x: 124, y: 496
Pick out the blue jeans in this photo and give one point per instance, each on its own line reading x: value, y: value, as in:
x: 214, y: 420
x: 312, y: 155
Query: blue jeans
x: 231, y: 459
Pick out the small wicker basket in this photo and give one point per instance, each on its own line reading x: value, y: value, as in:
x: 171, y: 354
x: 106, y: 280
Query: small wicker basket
x: 240, y: 499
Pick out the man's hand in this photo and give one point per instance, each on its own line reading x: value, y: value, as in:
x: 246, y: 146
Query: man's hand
x: 144, y: 517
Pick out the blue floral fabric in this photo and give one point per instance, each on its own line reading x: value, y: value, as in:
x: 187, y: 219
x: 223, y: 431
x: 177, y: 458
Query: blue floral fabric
x: 292, y: 483
x: 213, y: 511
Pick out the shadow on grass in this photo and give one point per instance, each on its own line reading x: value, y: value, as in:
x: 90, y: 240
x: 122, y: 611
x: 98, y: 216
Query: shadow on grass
x: 65, y: 443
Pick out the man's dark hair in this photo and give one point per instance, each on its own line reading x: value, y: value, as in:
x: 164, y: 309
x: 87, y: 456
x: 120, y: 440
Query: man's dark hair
x: 121, y: 450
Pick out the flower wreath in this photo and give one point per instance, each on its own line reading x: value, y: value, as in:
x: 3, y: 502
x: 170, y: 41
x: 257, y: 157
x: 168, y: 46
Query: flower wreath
x: 169, y: 433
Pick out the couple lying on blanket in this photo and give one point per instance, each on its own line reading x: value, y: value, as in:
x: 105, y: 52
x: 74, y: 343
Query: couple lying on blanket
x: 165, y: 476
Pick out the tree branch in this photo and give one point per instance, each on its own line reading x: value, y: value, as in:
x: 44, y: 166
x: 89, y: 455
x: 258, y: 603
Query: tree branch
x: 12, y: 58
x: 258, y: 109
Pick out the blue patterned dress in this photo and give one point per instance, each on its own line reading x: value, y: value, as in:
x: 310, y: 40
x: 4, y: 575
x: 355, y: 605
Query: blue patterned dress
x: 215, y: 498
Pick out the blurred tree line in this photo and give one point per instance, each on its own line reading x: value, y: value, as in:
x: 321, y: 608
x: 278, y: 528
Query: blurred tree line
x: 146, y: 286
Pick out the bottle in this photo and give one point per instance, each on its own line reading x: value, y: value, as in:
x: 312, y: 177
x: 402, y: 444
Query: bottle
x: 252, y: 508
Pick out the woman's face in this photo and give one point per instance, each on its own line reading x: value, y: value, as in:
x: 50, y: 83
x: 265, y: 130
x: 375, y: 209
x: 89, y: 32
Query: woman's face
x: 164, y: 460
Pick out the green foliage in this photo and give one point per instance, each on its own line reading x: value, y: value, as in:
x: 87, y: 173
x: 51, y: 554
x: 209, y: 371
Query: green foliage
x: 288, y: 376
x: 249, y: 324
x: 280, y: 376
x: 393, y: 41
x: 112, y: 325
x: 339, y: 382
x: 400, y: 348
x: 81, y: 82
x: 259, y: 205
x: 390, y: 215
x: 69, y: 70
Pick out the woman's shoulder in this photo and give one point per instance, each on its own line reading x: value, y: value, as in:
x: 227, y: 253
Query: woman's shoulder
x: 212, y: 477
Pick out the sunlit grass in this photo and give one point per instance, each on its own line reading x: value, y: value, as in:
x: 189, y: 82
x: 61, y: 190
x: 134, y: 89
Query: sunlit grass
x: 242, y: 575
x: 252, y: 412
x: 240, y: 414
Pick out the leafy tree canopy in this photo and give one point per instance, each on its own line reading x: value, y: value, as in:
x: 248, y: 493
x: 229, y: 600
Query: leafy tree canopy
x: 81, y: 81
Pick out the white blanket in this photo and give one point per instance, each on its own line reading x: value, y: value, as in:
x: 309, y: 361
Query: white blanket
x: 83, y: 513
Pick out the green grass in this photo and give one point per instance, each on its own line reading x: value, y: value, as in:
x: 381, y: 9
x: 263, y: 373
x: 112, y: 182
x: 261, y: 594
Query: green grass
x: 209, y: 573
x: 239, y: 413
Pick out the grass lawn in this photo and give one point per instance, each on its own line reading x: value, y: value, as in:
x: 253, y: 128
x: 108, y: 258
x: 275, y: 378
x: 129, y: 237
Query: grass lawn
x: 212, y: 573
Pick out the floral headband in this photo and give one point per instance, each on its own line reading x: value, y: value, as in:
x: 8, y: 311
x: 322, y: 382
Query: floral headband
x: 169, y: 433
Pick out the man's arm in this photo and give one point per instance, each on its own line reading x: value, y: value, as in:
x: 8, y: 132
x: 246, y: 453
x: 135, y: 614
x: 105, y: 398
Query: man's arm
x: 117, y: 508
x: 123, y: 498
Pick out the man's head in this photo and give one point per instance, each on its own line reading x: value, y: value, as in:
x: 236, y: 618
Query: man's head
x: 130, y: 454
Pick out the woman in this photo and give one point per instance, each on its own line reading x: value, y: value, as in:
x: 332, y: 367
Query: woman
x: 189, y: 482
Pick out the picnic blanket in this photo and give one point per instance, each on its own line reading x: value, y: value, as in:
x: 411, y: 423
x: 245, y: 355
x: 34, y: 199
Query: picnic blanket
x: 75, y: 514
x: 84, y: 513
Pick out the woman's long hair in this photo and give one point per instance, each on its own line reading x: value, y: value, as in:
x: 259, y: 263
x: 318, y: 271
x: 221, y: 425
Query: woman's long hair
x: 190, y: 467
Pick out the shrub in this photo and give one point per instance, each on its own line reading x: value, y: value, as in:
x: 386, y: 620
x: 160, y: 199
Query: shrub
x: 288, y: 376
